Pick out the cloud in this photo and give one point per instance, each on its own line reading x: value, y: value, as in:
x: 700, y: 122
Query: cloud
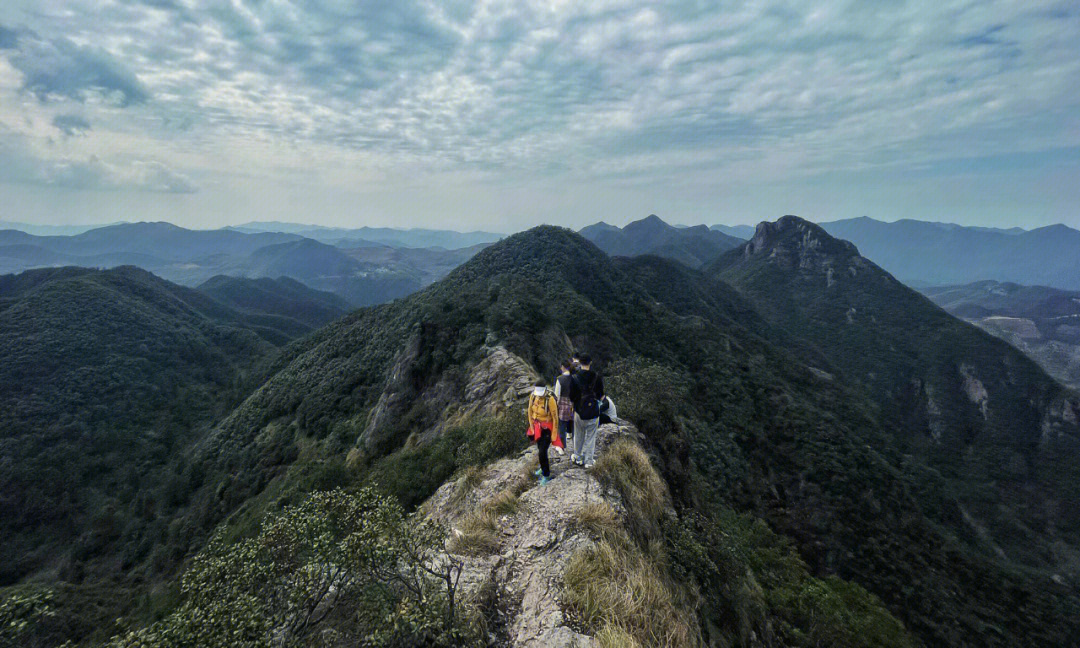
x: 23, y: 164
x: 71, y: 124
x: 618, y: 91
x: 58, y: 67
x: 94, y: 174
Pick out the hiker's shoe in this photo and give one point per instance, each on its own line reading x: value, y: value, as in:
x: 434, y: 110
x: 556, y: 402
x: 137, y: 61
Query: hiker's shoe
x: 575, y: 459
x: 538, y: 472
x: 544, y: 480
x: 560, y: 451
x: 589, y: 465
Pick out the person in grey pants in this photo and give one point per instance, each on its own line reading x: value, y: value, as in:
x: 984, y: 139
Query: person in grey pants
x: 586, y: 391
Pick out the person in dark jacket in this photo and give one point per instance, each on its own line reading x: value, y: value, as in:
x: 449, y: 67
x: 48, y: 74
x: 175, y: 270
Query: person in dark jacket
x: 586, y: 391
x: 563, y: 388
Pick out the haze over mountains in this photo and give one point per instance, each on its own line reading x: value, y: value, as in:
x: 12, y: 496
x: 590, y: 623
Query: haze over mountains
x: 361, y: 271
x: 1042, y: 322
x: 923, y: 253
x: 693, y: 246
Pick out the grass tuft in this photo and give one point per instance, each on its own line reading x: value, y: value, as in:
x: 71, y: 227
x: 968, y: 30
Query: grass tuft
x: 597, y: 519
x: 471, y: 477
x: 476, y: 534
x: 626, y: 468
x: 618, y: 592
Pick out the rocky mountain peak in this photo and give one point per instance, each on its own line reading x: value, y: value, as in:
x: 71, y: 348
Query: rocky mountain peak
x: 794, y: 242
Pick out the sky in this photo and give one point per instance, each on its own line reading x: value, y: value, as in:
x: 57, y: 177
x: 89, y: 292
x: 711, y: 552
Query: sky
x: 499, y: 115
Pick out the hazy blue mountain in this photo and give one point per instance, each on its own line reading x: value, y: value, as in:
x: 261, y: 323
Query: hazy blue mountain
x: 738, y: 231
x: 924, y: 253
x: 694, y: 246
x: 325, y: 267
x: 280, y: 297
x: 164, y: 241
x: 431, y: 263
x: 362, y: 271
x: 51, y: 230
x: 1042, y: 322
x: 413, y: 237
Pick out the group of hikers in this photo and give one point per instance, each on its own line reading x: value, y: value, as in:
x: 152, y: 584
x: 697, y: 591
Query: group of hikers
x: 571, y: 412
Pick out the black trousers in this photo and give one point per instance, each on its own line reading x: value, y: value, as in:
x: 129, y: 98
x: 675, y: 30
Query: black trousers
x: 542, y: 445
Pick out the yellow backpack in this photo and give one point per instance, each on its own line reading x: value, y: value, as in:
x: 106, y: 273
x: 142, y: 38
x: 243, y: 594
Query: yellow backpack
x: 539, y: 407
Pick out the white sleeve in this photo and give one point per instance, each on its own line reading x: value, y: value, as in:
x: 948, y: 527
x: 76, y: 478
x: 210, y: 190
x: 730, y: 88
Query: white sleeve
x: 558, y: 388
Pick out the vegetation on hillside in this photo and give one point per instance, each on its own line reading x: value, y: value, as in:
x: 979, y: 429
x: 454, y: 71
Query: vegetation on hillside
x: 1000, y: 431
x: 766, y: 452
x: 740, y: 423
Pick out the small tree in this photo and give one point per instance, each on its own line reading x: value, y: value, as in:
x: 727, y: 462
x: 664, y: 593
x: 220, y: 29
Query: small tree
x: 278, y: 588
x: 19, y: 612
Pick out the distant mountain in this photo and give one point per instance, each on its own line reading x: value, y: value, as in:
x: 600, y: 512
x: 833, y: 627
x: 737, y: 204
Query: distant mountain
x: 693, y: 246
x: 1042, y: 322
x: 432, y: 264
x: 743, y: 232
x: 50, y: 230
x: 281, y: 297
x: 161, y: 240
x: 1001, y: 432
x: 415, y: 237
x: 924, y: 253
x: 105, y: 377
x: 325, y: 267
x: 361, y: 271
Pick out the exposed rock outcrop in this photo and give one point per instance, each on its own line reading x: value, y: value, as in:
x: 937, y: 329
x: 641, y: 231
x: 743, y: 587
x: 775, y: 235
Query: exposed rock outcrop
x: 495, y: 383
x: 532, y: 543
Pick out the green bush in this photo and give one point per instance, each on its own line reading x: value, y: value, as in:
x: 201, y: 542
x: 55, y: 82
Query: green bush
x: 339, y: 564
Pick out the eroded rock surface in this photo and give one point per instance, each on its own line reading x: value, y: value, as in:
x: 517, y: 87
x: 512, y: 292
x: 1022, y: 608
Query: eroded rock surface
x: 535, y: 542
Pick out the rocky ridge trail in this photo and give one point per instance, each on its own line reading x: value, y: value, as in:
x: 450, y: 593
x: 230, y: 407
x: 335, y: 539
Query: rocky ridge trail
x: 516, y: 539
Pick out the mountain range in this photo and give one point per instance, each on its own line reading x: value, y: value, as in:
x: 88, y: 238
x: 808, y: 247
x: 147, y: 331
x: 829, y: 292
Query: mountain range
x: 1042, y: 322
x: 366, y: 274
x: 845, y: 463
x: 408, y: 238
x: 693, y: 246
x: 922, y: 253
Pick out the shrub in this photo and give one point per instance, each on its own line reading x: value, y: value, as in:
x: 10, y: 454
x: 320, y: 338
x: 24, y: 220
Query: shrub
x: 357, y: 550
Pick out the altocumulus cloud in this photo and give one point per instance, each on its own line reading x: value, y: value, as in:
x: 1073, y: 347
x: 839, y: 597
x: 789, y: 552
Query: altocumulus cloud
x: 607, y: 90
x: 71, y: 124
x: 58, y: 67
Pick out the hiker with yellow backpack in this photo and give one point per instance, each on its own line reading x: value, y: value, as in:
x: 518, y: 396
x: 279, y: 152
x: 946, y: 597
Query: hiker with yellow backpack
x: 544, y: 426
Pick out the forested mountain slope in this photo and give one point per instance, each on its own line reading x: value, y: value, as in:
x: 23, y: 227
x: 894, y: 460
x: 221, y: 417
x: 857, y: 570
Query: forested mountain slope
x: 105, y: 376
x: 735, y: 422
x: 280, y: 297
x: 1001, y: 432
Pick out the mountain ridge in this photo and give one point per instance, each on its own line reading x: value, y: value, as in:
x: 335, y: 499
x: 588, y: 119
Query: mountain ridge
x: 694, y: 246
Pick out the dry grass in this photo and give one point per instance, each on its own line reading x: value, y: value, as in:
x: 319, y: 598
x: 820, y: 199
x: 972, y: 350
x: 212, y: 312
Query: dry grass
x: 626, y: 468
x: 503, y: 503
x: 471, y: 477
x: 597, y: 519
x: 475, y: 534
x: 617, y: 591
x: 615, y: 637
